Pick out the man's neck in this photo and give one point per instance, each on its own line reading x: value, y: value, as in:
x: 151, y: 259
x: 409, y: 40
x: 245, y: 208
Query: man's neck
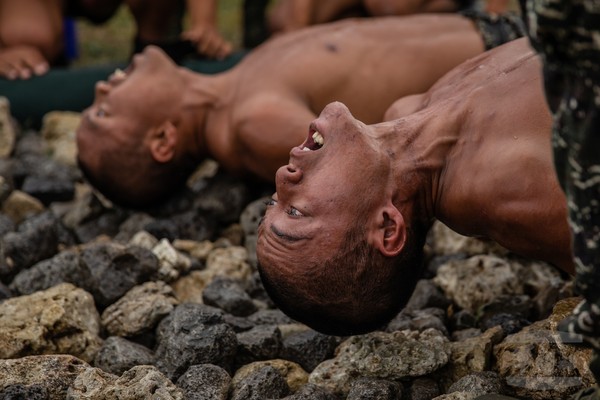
x: 418, y: 146
x: 203, y: 105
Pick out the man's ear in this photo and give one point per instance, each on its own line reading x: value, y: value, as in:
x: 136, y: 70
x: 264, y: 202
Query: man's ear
x: 162, y: 142
x: 388, y: 234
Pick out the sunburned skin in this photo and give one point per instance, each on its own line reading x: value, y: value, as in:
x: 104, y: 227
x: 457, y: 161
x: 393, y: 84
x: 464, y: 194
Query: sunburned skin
x: 474, y: 152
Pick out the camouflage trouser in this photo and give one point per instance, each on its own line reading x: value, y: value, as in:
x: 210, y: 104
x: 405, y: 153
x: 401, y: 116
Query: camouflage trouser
x: 566, y: 33
x: 496, y: 29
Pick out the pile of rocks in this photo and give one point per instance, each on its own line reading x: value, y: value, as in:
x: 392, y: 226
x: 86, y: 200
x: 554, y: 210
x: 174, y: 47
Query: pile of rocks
x: 98, y: 302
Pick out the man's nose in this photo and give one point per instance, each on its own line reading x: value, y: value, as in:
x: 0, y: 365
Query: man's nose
x: 288, y: 174
x: 335, y: 109
x: 102, y: 88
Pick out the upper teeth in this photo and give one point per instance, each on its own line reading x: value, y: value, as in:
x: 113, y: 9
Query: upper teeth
x: 318, y: 138
x: 119, y: 73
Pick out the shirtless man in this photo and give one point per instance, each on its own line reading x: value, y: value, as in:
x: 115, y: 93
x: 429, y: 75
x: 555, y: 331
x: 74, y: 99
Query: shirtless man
x: 157, y: 122
x: 32, y: 37
x: 341, y: 242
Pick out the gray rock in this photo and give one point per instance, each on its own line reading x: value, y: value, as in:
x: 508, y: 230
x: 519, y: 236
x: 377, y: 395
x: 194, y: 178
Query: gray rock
x: 262, y: 342
x: 63, y: 267
x: 8, y: 134
x: 140, y: 382
x: 194, y: 334
x: 36, y: 239
x: 139, y: 310
x: 249, y: 220
x: 374, y: 389
x: 419, y: 320
x: 294, y: 375
x: 533, y: 367
x: 228, y: 295
x: 479, y: 383
x: 389, y: 356
x: 270, y: 317
x: 28, y: 392
x: 424, y: 389
x: 58, y: 131
x: 51, y: 375
x: 18, y: 205
x: 61, y: 320
x: 265, y: 383
x: 224, y: 199
x: 312, y: 392
x: 49, y: 189
x: 308, y: 348
x: 204, y: 382
x: 462, y: 319
x: 425, y: 295
x: 118, y: 355
x: 114, y: 269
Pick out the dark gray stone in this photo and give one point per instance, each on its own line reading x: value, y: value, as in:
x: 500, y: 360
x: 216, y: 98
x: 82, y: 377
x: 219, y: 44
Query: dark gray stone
x: 270, y: 317
x: 6, y: 224
x: 249, y: 220
x: 114, y: 269
x: 425, y: 295
x: 479, y: 382
x: 24, y: 392
x: 462, y: 319
x: 63, y: 267
x: 424, y: 389
x: 229, y: 296
x: 204, y: 382
x: 265, y: 383
x: 5, y: 292
x: 36, y: 239
x: 224, y: 198
x: 374, y: 389
x: 49, y: 189
x: 308, y: 348
x: 118, y: 355
x: 419, y: 320
x: 239, y: 324
x: 193, y: 334
x: 312, y: 392
x: 259, y: 343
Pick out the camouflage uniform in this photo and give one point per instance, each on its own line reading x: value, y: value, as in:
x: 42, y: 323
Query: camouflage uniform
x: 566, y: 33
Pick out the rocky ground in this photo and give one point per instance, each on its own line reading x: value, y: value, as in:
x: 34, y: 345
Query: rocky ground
x: 98, y: 302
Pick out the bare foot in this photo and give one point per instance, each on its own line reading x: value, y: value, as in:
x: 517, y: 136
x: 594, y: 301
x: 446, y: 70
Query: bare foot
x: 22, y: 62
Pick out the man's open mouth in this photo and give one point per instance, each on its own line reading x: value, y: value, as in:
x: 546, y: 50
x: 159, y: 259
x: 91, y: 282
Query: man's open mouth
x: 314, y: 141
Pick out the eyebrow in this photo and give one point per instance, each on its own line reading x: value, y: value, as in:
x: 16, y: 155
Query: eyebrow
x: 285, y: 236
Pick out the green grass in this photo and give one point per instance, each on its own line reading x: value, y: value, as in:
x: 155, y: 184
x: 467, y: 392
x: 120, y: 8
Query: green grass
x: 111, y: 42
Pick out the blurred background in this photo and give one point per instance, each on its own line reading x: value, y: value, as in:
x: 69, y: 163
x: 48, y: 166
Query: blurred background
x: 112, y: 42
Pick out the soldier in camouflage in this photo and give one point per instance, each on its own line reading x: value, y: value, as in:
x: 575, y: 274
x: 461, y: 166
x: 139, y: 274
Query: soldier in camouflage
x: 566, y: 33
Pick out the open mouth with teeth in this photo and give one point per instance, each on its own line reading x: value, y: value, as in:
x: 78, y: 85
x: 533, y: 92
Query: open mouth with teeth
x: 314, y: 142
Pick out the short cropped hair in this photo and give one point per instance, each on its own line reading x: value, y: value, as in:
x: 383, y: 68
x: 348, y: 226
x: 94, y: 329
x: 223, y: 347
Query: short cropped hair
x: 355, y: 291
x: 130, y: 177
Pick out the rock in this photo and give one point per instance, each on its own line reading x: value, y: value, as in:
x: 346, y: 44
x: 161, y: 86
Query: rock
x: 262, y: 342
x: 143, y: 239
x: 479, y: 383
x: 139, y: 310
x: 36, y: 239
x: 249, y: 220
x: 58, y: 130
x: 389, y: 356
x: 294, y: 375
x: 269, y: 317
x: 419, y: 320
x: 469, y: 356
x: 311, y: 392
x: 118, y: 355
x: 189, y: 288
x: 49, y: 188
x: 60, y: 320
x: 193, y: 334
x: 63, y: 267
x: 197, y: 250
x: 140, y: 382
x: 46, y: 376
x: 444, y: 241
x: 230, y: 262
x: 171, y: 262
x: 20, y: 206
x: 204, y: 382
x: 308, y: 348
x: 533, y: 366
x: 186, y: 225
x: 424, y: 389
x: 228, y: 295
x: 426, y: 295
x: 374, y: 389
x: 263, y: 383
x: 114, y: 269
x: 8, y: 135
x: 478, y: 280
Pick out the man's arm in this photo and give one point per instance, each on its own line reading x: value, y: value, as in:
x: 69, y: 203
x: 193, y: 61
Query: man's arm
x: 203, y: 32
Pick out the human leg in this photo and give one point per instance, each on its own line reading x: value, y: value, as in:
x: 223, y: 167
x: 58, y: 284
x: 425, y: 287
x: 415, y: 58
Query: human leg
x: 31, y: 36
